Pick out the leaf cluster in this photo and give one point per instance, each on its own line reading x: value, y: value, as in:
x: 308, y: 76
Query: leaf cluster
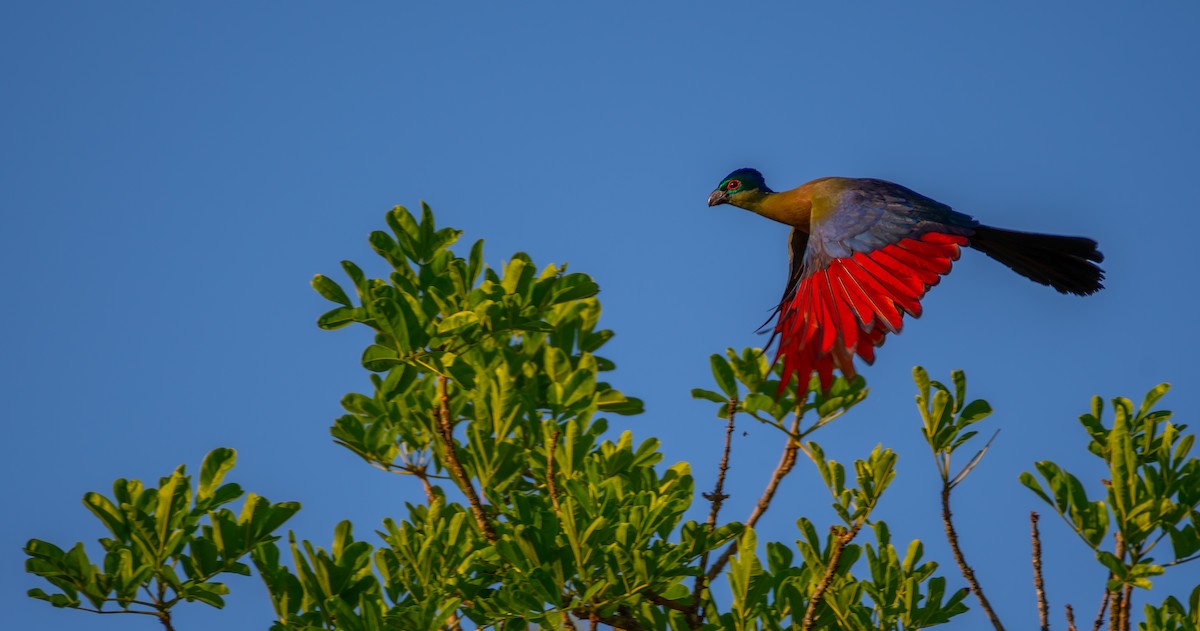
x: 166, y: 544
x: 750, y: 384
x: 895, y: 593
x: 1151, y: 495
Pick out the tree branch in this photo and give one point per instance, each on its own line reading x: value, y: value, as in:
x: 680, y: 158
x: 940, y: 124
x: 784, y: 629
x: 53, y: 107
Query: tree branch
x: 787, y: 461
x: 842, y: 539
x: 1038, y: 585
x: 1071, y: 619
x: 1103, y: 606
x: 663, y: 601
x: 133, y: 611
x: 404, y: 469
x: 1117, y: 607
x: 424, y: 478
x: 1126, y: 601
x: 446, y: 430
x: 1182, y: 561
x: 717, y: 497
x: 967, y: 572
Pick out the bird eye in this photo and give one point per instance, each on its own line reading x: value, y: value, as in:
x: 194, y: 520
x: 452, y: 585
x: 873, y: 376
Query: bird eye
x: 733, y: 185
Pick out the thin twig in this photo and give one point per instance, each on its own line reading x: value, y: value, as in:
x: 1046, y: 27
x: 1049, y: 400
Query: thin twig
x: 1103, y: 606
x: 424, y: 478
x: 446, y: 429
x: 1182, y: 561
x: 787, y: 461
x: 117, y: 611
x: 667, y: 602
x: 717, y: 497
x: 1038, y: 585
x: 842, y: 538
x: 967, y: 572
x: 165, y: 618
x: 404, y: 469
x: 1117, y: 608
x: 567, y: 622
x: 1071, y: 619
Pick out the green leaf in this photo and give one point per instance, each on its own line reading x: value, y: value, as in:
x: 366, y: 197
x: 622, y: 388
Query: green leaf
x: 454, y: 324
x: 330, y: 290
x: 1152, y: 397
x: 723, y: 374
x: 617, y: 403
x: 380, y: 358
x: 338, y: 318
x: 207, y: 593
x: 743, y: 569
x: 558, y: 365
x: 960, y: 388
x: 1184, y: 541
x: 1114, y: 565
x: 426, y: 230
x: 700, y: 393
x: 475, y: 262
x: 58, y: 600
x: 216, y: 464
x: 387, y: 247
x: 1123, y: 468
x: 172, y: 498
x: 976, y: 410
x: 1031, y: 483
x: 108, y: 513
x: 921, y: 377
x: 574, y: 287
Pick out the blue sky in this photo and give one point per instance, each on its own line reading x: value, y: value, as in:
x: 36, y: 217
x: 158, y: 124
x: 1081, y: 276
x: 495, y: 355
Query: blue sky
x: 172, y: 176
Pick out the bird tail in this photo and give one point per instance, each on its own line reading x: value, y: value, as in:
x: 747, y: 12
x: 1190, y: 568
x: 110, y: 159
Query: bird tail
x: 1068, y: 264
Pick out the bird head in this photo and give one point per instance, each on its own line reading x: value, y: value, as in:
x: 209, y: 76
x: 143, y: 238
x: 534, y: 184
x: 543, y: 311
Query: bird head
x: 739, y: 188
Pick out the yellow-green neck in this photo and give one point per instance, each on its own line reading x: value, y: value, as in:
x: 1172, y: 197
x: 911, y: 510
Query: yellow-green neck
x: 794, y: 207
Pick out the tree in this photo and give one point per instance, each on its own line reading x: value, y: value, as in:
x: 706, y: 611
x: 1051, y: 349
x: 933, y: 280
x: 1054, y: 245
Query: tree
x: 487, y: 389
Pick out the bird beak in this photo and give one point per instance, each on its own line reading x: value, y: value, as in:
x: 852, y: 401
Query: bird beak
x: 718, y: 197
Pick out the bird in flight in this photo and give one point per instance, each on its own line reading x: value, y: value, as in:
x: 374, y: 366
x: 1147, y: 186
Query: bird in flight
x: 863, y: 252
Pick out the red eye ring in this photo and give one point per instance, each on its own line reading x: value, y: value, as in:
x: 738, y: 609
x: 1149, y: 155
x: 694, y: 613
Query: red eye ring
x: 733, y: 185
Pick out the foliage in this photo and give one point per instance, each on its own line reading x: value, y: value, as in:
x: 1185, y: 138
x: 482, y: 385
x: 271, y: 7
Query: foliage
x: 490, y: 379
x: 1152, y: 495
x: 156, y: 533
x: 487, y: 390
x: 945, y: 415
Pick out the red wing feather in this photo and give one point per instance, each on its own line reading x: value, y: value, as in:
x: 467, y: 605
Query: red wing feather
x: 829, y: 321
x: 911, y: 278
x: 902, y: 295
x: 849, y: 306
x: 925, y: 270
x: 843, y: 309
x: 885, y: 303
x: 863, y: 307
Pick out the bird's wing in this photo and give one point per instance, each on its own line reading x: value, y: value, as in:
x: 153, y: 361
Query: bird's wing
x: 797, y: 243
x: 797, y: 246
x: 875, y: 248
